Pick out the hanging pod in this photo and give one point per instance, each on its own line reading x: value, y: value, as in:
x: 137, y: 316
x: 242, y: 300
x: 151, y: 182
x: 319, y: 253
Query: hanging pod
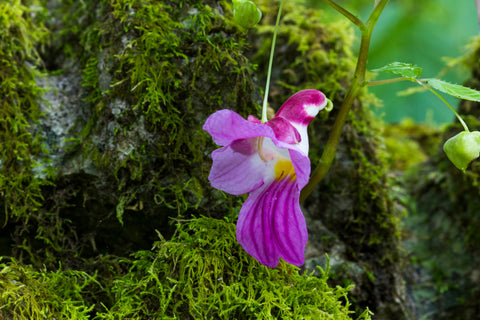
x: 463, y: 148
x: 246, y: 13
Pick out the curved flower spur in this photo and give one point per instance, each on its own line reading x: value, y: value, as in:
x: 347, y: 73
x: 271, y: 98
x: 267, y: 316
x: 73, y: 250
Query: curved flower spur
x: 270, y: 162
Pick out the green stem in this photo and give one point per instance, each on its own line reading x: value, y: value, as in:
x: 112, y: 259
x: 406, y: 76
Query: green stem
x: 386, y: 81
x: 358, y: 82
x: 270, y: 63
x: 347, y: 14
x: 426, y: 86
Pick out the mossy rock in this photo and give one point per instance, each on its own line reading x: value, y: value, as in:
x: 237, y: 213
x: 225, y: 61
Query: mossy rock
x: 132, y: 82
x: 115, y: 150
x: 201, y: 273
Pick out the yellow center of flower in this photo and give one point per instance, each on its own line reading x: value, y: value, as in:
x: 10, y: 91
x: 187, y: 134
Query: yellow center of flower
x: 284, y: 168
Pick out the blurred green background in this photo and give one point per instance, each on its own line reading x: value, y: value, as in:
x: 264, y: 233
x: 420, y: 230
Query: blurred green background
x: 420, y: 32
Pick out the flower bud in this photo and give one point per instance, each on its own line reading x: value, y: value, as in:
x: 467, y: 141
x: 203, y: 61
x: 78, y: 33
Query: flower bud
x: 246, y: 13
x: 463, y: 148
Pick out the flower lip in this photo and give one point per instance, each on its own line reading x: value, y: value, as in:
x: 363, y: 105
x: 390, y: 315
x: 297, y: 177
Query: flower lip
x: 271, y: 225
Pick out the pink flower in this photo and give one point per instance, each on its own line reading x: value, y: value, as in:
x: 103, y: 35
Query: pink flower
x: 270, y: 162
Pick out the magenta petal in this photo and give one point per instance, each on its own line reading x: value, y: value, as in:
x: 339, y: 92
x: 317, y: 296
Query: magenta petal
x: 301, y: 163
x: 253, y: 119
x: 226, y: 126
x: 270, y: 224
x: 290, y: 227
x: 237, y: 169
x: 284, y: 130
x: 303, y: 106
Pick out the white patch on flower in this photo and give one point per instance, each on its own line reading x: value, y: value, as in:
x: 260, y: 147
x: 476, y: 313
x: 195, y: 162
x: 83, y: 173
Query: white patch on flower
x: 313, y: 109
x: 303, y: 144
x: 269, y: 145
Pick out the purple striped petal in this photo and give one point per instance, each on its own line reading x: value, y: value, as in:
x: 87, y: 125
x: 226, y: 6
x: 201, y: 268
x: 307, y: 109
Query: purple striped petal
x: 301, y: 163
x: 270, y: 224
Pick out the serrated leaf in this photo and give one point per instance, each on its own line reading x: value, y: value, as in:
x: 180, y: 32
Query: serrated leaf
x: 401, y: 68
x: 455, y: 90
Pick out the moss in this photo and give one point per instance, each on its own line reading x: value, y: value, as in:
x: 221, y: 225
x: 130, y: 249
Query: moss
x: 31, y: 294
x: 20, y: 191
x: 409, y: 144
x: 23, y: 175
x: 161, y: 61
x: 202, y: 272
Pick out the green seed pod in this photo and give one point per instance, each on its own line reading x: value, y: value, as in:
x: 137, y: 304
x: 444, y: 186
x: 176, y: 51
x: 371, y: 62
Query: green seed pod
x: 463, y: 148
x: 246, y: 13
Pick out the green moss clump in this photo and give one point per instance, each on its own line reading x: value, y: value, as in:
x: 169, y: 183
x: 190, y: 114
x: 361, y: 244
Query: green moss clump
x: 23, y: 175
x: 29, y: 294
x: 157, y: 69
x: 203, y: 273
x: 409, y: 144
x: 20, y: 34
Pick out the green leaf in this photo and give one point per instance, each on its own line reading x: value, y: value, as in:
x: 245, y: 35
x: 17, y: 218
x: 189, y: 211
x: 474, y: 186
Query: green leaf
x: 403, y: 69
x: 455, y: 90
